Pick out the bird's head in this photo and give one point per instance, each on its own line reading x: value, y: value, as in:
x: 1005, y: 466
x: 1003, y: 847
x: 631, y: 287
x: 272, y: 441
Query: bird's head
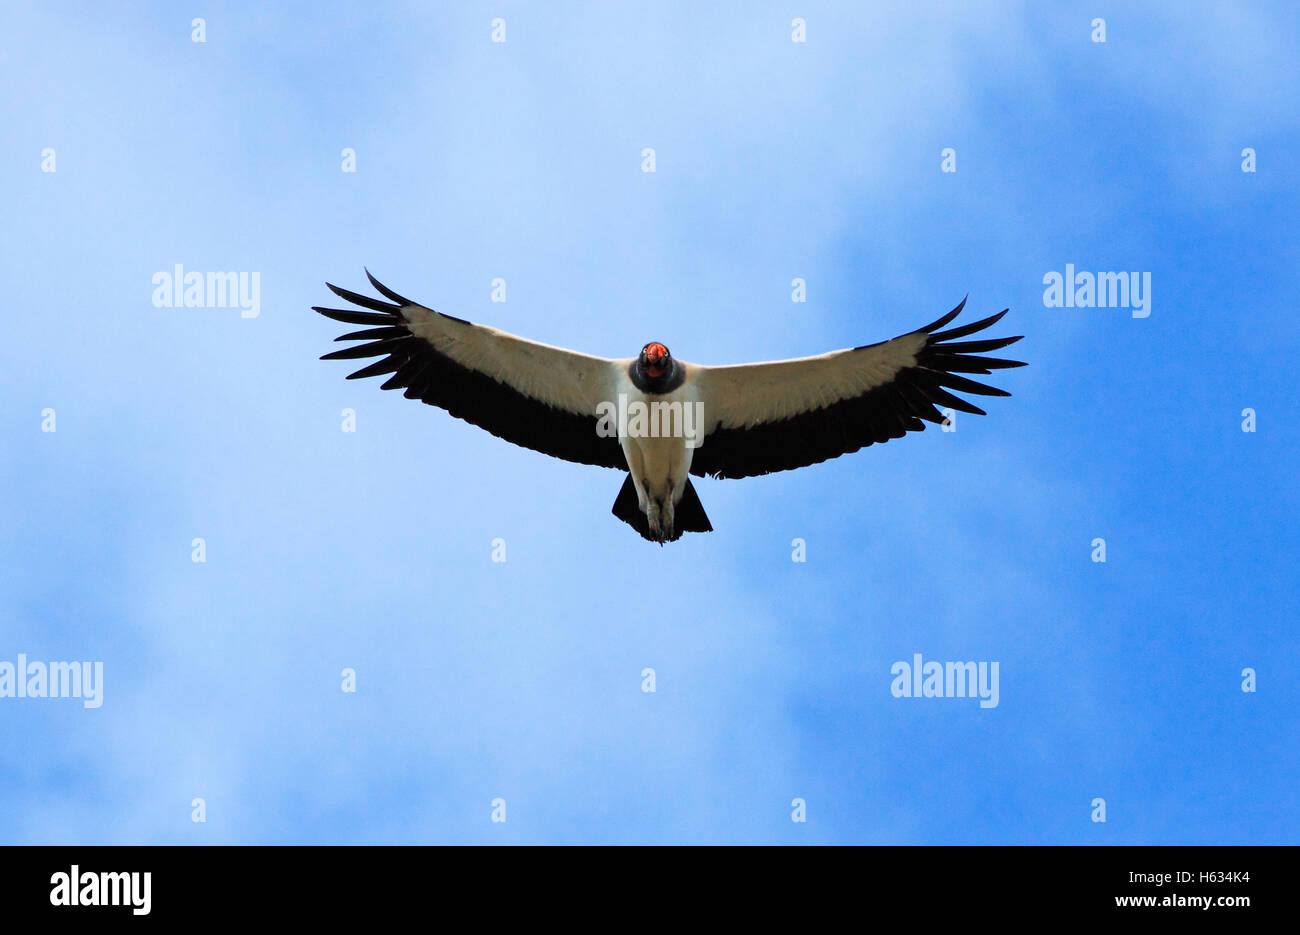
x: 655, y: 360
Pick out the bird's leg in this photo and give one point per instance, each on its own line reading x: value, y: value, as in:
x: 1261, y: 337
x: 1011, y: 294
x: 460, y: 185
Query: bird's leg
x: 652, y: 513
x: 666, y: 512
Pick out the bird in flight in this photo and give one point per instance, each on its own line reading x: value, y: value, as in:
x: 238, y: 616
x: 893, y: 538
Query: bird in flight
x: 661, y: 419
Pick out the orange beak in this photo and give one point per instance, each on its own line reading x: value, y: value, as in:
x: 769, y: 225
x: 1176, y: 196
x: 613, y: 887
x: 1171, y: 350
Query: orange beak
x: 654, y: 355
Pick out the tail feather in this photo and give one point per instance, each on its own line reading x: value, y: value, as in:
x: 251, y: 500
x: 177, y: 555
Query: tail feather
x: 688, y: 515
x: 627, y: 509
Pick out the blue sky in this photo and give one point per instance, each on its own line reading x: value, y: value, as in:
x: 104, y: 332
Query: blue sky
x: 521, y: 680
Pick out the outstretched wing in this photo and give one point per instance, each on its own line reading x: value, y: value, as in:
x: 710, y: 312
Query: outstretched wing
x: 531, y: 394
x: 790, y: 413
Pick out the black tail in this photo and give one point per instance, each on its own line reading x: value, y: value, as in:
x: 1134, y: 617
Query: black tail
x: 688, y: 516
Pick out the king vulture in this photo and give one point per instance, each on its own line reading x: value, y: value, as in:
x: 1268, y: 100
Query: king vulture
x: 736, y: 421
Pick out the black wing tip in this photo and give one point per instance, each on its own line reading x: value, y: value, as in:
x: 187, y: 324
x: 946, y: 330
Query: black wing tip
x: 945, y: 361
x: 346, y: 293
x: 952, y: 334
x: 400, y: 300
x: 365, y: 301
x: 939, y: 323
x: 382, y: 340
x: 385, y: 291
x: 973, y: 326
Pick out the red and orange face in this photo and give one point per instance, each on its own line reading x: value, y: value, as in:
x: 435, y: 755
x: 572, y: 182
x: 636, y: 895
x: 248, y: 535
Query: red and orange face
x: 655, y: 360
